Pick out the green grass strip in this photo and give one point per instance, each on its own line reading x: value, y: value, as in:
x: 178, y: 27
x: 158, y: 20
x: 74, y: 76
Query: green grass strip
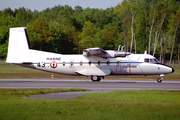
x: 125, y: 105
x: 27, y: 92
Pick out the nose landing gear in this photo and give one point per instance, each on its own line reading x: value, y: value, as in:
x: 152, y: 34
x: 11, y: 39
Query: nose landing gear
x: 159, y: 80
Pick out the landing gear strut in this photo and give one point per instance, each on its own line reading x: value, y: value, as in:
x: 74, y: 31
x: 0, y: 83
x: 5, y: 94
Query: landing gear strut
x: 96, y: 78
x: 159, y: 80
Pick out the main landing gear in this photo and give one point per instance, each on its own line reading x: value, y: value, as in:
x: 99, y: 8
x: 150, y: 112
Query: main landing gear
x: 96, y: 78
x: 159, y: 80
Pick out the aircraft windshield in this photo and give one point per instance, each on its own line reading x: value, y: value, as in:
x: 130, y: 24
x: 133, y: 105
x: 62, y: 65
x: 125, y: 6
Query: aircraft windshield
x: 151, y: 60
x: 156, y: 61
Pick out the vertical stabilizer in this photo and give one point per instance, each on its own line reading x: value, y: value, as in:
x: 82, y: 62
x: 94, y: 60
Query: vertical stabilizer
x: 18, y: 48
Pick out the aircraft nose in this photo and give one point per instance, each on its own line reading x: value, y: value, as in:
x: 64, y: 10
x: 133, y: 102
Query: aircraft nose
x: 173, y: 70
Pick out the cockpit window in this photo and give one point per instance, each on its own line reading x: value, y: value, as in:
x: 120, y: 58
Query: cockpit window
x: 151, y: 60
x: 146, y: 60
x: 156, y: 61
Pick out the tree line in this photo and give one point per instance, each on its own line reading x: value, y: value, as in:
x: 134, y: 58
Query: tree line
x: 138, y: 25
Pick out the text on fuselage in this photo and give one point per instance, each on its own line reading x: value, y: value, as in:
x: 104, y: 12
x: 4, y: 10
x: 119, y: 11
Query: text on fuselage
x: 53, y: 58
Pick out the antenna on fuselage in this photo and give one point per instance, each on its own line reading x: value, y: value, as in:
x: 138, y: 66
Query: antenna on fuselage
x: 145, y: 52
x: 119, y: 47
x: 122, y: 48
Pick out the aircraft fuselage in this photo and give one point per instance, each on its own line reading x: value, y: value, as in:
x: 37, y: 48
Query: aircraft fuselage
x: 133, y: 64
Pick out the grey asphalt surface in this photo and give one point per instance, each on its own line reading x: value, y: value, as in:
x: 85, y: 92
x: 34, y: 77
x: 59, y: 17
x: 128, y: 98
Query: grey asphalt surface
x: 95, y: 87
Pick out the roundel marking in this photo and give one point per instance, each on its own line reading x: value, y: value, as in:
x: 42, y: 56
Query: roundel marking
x: 53, y: 64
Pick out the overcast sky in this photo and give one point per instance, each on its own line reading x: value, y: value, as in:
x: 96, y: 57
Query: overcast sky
x: 43, y: 4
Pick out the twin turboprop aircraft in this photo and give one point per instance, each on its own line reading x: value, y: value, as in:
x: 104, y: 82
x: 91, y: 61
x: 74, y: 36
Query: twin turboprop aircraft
x: 94, y: 62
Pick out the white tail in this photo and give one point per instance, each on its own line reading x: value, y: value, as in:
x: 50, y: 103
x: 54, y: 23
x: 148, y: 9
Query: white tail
x: 18, y: 48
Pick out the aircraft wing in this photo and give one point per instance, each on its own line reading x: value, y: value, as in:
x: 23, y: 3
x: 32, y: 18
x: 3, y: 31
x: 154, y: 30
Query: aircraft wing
x: 104, y: 53
x: 94, y: 52
x: 95, y: 71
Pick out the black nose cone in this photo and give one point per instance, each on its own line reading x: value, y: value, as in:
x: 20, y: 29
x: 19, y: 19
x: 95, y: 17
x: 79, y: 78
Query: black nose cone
x: 173, y: 70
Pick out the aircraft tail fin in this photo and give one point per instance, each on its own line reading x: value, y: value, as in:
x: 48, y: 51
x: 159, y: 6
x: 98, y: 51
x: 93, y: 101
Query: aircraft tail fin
x: 18, y: 47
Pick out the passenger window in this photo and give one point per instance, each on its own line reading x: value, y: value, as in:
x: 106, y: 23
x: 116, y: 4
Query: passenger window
x: 64, y: 63
x: 99, y: 62
x: 108, y: 62
x: 71, y: 63
x: 89, y: 63
x: 81, y: 63
x: 146, y: 60
x: 118, y: 62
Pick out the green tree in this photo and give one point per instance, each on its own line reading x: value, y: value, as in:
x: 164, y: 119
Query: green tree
x: 3, y: 50
x: 71, y: 38
x: 174, y: 24
x: 88, y: 35
x: 6, y: 22
x: 8, y: 12
x: 85, y: 15
x: 59, y: 44
x: 39, y: 34
x: 23, y: 16
x: 76, y: 23
x: 123, y: 15
x: 148, y: 24
x: 141, y: 23
x: 109, y: 36
x: 65, y: 15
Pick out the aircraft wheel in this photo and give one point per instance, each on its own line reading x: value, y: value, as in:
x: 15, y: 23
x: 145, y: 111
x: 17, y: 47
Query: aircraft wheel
x: 159, y: 80
x: 95, y: 78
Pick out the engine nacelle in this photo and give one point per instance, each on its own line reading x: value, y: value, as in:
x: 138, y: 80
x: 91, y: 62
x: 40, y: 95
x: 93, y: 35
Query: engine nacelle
x: 114, y: 54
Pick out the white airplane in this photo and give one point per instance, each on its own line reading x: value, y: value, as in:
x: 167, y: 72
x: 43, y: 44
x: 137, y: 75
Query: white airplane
x: 94, y: 62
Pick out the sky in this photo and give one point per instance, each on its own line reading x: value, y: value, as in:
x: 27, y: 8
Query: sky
x: 43, y: 4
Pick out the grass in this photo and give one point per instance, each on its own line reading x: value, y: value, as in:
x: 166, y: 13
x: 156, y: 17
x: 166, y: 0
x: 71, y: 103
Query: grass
x: 126, y: 105
x: 28, y: 92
